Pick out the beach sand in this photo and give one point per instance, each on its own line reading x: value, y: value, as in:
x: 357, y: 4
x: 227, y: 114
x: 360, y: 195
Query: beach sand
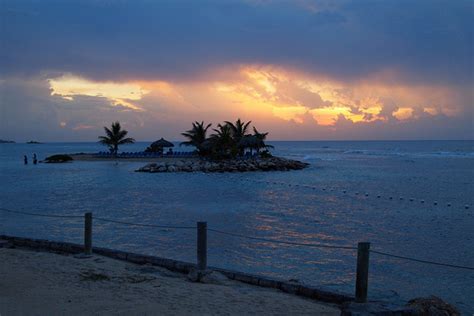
x: 93, y: 157
x: 41, y: 283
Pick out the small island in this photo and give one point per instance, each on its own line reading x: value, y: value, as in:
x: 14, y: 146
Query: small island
x: 230, y: 148
x: 3, y: 141
x: 58, y: 159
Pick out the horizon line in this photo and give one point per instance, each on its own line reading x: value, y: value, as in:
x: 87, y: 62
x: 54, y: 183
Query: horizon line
x: 276, y: 140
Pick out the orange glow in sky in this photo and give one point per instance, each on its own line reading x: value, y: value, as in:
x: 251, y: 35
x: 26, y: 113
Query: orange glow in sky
x: 266, y: 93
x: 124, y: 94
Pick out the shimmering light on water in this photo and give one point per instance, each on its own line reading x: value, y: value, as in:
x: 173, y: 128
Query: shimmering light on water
x: 307, y: 206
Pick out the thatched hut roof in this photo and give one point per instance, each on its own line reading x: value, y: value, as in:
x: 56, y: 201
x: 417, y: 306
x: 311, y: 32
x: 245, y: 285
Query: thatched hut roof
x: 162, y: 143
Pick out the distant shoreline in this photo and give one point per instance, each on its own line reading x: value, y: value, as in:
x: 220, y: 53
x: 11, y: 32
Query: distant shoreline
x: 198, y: 164
x: 94, y: 157
x: 3, y: 141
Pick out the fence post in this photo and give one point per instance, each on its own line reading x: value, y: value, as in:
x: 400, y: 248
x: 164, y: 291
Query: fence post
x: 88, y: 234
x: 362, y: 277
x: 202, y: 246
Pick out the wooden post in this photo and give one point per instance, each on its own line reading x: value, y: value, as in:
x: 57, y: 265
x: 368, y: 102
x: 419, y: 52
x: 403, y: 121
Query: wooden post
x: 88, y: 234
x: 202, y: 246
x: 362, y: 278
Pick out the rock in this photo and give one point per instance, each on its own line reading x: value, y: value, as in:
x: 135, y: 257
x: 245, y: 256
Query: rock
x: 215, y: 277
x: 208, y: 277
x: 172, y: 169
x: 58, y: 159
x: 193, y: 275
x: 268, y: 164
x: 433, y: 305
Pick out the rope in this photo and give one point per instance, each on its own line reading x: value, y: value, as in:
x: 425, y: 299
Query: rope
x: 41, y: 215
x: 143, y: 225
x: 243, y: 236
x: 282, y: 242
x: 422, y: 261
x: 345, y: 191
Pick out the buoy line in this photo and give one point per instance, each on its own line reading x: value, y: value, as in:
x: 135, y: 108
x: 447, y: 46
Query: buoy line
x: 345, y: 191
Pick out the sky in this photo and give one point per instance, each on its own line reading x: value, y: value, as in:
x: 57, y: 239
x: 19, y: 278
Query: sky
x: 300, y: 69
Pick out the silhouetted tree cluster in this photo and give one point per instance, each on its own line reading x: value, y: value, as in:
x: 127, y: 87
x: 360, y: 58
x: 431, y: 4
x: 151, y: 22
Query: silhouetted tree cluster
x: 229, y: 140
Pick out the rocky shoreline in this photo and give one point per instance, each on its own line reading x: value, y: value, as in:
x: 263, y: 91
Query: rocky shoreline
x: 234, y: 165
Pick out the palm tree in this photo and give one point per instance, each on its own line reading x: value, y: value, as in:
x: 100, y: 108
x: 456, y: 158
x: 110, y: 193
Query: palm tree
x: 222, y: 141
x: 260, y: 140
x: 239, y: 130
x: 115, y: 137
x: 196, y: 136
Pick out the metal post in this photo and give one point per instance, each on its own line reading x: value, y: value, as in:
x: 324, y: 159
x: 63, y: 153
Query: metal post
x: 202, y: 246
x: 88, y: 234
x: 362, y: 278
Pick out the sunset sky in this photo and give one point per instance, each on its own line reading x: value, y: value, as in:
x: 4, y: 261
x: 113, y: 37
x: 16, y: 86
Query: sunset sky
x: 301, y: 69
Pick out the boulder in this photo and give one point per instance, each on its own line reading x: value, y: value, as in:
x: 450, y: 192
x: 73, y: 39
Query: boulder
x: 433, y: 305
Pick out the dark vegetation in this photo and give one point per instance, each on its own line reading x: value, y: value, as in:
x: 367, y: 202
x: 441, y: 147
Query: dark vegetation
x: 58, y: 159
x: 114, y: 137
x: 229, y: 140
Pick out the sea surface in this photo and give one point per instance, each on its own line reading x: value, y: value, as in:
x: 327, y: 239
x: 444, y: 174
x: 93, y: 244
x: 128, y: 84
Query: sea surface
x: 334, y: 201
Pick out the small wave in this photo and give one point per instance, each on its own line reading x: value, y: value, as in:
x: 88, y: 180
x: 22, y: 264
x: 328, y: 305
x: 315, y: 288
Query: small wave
x: 319, y: 157
x: 440, y: 154
x: 446, y: 154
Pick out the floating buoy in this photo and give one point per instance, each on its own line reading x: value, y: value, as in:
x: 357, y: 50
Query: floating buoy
x: 449, y: 204
x: 344, y: 191
x: 391, y: 198
x: 367, y: 194
x: 411, y: 200
x: 378, y: 196
x: 466, y: 206
x: 422, y: 201
x: 435, y: 203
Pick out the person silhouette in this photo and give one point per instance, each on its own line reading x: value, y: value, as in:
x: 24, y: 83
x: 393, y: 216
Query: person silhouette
x: 35, y: 160
x: 25, y: 160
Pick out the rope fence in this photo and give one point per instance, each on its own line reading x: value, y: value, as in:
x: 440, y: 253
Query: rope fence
x: 40, y: 215
x: 363, y: 248
x: 142, y: 225
x: 421, y: 261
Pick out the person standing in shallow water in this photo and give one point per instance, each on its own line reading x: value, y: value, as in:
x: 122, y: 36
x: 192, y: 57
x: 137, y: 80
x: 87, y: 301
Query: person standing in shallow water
x: 25, y: 160
x: 35, y: 160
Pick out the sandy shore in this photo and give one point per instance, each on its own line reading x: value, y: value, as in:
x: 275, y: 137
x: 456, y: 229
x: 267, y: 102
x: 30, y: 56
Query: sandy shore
x: 92, y: 157
x: 40, y: 283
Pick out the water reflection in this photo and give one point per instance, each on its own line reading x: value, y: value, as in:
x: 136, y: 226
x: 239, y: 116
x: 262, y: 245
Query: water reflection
x: 267, y: 208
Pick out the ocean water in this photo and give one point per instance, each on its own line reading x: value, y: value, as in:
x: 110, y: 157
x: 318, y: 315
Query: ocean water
x: 334, y: 201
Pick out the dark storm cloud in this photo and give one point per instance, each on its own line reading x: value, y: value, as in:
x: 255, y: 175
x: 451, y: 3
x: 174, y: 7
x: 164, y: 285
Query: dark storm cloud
x: 425, y: 41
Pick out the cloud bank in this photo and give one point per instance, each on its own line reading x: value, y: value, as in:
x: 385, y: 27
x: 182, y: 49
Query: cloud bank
x: 301, y: 69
